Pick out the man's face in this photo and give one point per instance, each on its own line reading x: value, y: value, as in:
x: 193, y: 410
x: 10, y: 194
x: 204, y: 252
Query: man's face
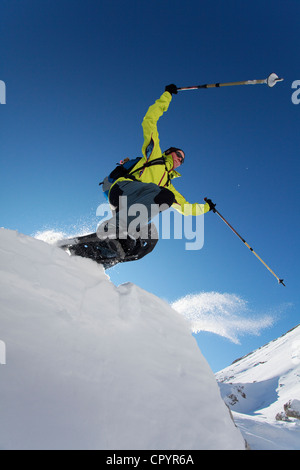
x: 178, y: 158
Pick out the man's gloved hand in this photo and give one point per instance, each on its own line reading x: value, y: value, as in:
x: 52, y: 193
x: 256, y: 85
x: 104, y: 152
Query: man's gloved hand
x: 212, y: 206
x: 172, y: 89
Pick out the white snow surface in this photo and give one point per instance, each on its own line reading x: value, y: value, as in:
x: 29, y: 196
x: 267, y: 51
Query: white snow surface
x: 93, y: 366
x: 257, y: 387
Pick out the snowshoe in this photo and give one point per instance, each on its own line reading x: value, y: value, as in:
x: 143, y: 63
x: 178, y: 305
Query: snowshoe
x: 110, y: 252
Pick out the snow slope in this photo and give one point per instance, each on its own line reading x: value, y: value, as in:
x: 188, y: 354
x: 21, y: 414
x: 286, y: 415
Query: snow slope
x: 93, y: 366
x: 257, y: 386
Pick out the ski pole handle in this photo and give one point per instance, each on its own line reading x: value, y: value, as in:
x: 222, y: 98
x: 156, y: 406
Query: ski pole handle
x: 211, y: 204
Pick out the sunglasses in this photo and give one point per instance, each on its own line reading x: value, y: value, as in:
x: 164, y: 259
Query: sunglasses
x: 179, y: 155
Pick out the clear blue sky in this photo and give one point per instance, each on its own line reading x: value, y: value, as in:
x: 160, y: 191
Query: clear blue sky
x: 80, y: 76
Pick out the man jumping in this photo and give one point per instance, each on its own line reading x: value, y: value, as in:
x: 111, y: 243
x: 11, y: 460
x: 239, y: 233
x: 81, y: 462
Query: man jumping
x: 149, y: 182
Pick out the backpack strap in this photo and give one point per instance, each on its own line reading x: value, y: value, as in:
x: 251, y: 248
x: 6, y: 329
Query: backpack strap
x: 129, y: 175
x: 157, y: 161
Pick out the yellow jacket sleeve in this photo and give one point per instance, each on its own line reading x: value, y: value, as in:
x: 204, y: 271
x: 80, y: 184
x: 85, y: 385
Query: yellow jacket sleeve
x: 151, y: 148
x: 185, y: 207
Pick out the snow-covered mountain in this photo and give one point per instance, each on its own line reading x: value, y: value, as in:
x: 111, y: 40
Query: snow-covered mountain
x: 88, y: 365
x: 263, y: 391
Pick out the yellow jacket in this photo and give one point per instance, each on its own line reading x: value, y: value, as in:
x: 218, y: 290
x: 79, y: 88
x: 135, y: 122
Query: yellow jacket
x: 161, y: 174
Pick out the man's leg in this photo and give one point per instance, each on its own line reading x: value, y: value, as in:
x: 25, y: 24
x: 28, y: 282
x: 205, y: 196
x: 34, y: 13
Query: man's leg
x: 145, y: 199
x: 128, y: 199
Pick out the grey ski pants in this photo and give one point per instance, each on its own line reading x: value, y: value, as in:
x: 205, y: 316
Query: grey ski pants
x: 130, y: 198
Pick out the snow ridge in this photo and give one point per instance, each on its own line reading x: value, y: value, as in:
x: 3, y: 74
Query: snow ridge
x: 93, y: 366
x: 263, y: 391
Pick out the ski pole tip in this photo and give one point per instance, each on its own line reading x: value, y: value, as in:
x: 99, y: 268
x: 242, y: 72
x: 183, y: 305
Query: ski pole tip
x: 280, y: 281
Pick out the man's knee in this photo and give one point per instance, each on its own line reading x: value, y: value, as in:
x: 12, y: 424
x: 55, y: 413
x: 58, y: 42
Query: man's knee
x: 165, y: 196
x: 114, y: 197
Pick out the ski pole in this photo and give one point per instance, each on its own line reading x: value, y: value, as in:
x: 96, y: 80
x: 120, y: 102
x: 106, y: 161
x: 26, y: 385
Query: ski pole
x: 213, y: 208
x: 270, y: 81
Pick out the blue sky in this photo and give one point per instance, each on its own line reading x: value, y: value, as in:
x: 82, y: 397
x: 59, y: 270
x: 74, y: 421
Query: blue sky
x: 80, y: 76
